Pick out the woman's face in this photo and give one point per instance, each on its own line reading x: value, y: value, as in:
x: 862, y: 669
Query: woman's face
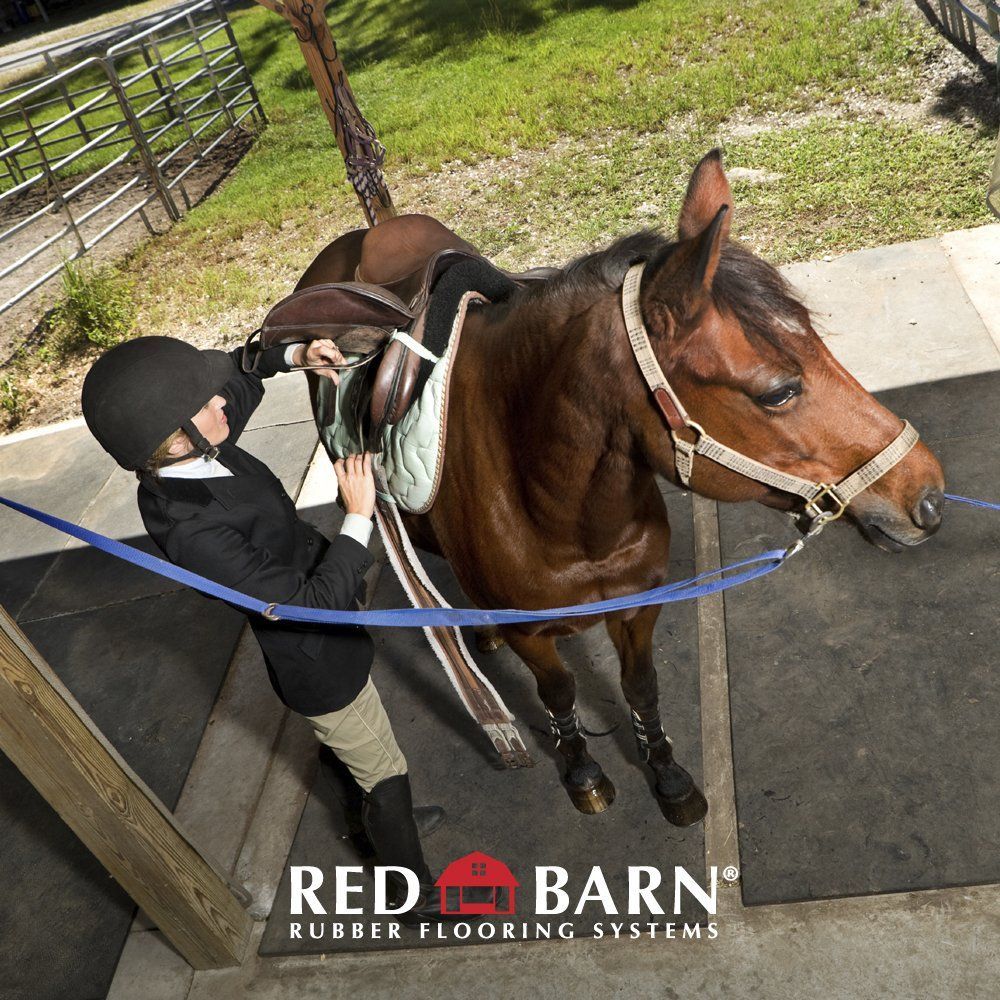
x: 211, y: 421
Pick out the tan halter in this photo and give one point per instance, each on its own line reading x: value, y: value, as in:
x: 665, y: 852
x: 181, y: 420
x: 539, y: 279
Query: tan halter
x: 816, y: 495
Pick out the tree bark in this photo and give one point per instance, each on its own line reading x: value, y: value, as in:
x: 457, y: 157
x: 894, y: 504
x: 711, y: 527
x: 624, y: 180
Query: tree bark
x: 362, y: 152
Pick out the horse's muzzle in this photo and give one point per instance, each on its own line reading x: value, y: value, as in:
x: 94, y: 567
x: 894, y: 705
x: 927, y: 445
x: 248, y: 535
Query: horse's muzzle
x: 892, y: 533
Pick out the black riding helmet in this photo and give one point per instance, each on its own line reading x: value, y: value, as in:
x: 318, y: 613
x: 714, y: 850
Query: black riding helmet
x: 138, y: 393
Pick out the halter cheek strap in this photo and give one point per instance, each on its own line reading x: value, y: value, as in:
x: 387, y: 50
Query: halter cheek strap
x: 824, y: 502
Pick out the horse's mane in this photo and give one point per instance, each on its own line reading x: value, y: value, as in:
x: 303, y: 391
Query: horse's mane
x: 755, y: 292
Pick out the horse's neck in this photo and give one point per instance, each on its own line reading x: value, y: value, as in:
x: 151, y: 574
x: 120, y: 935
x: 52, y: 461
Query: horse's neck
x: 558, y: 389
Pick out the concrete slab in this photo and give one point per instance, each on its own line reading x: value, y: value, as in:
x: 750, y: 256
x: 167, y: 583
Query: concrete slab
x: 975, y: 256
x: 896, y: 315
x: 283, y: 796
x: 234, y: 756
x: 150, y: 968
x: 937, y: 946
x: 286, y: 401
x: 60, y: 473
x: 83, y: 577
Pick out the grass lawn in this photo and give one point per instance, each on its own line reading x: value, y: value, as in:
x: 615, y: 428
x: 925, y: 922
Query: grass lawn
x: 544, y: 128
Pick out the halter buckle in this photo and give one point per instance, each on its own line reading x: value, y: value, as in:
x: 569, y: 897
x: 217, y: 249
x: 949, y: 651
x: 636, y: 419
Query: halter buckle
x: 821, y: 515
x: 269, y: 614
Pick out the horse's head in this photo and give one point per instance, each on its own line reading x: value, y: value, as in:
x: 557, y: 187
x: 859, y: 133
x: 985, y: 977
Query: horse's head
x: 741, y: 355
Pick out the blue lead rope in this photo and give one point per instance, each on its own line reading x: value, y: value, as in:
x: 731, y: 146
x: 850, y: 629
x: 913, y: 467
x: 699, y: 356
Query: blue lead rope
x: 985, y: 504
x: 697, y: 586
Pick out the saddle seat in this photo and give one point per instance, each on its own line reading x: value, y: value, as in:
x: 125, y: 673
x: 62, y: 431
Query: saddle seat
x: 401, y: 262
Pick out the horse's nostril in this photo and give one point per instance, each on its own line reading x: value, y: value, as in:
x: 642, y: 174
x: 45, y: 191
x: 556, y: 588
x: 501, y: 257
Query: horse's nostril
x: 928, y: 512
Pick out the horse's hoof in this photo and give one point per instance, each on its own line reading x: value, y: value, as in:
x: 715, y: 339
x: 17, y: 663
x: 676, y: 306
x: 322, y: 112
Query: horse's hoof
x: 489, y: 640
x: 595, y: 799
x: 684, y: 810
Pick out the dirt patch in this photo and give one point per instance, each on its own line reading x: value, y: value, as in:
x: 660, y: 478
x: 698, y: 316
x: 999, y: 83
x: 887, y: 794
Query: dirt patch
x: 51, y: 392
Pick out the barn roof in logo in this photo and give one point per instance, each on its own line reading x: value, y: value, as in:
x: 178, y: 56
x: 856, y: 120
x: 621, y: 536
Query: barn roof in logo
x: 477, y: 884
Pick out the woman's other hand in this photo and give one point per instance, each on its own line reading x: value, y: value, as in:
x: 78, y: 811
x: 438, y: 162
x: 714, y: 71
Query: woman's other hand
x: 320, y: 352
x: 356, y: 484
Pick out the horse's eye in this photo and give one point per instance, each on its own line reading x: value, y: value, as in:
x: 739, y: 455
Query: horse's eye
x: 779, y: 397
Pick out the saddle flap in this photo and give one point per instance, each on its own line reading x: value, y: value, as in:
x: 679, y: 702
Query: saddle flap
x: 332, y: 311
x: 392, y: 389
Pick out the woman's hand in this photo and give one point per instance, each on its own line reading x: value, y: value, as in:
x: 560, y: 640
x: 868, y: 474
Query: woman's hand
x: 356, y: 484
x: 320, y: 352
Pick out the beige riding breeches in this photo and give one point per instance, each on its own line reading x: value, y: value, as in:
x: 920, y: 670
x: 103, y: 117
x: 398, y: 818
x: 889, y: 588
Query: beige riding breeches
x: 361, y: 736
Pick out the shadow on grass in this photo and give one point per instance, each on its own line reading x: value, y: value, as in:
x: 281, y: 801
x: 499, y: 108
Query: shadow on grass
x: 429, y: 27
x: 976, y: 94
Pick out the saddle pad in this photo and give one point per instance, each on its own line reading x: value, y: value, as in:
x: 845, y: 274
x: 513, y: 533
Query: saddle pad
x: 412, y: 450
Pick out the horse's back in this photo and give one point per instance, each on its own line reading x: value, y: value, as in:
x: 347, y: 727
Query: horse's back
x: 387, y: 254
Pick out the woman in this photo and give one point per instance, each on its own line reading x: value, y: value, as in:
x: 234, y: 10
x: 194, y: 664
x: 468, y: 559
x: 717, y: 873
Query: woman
x: 174, y: 414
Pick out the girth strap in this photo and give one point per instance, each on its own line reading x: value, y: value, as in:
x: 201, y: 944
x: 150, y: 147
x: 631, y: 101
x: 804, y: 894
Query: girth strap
x: 480, y: 698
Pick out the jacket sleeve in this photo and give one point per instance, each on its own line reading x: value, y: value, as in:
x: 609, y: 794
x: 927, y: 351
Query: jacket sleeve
x: 221, y: 553
x: 245, y: 390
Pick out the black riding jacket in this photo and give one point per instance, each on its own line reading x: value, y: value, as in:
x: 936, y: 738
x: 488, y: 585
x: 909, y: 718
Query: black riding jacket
x: 243, y: 531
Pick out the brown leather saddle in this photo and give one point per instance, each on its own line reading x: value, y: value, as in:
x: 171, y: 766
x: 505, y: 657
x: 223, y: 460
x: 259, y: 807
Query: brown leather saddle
x: 397, y: 286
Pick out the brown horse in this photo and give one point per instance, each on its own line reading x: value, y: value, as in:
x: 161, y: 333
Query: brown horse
x: 548, y: 495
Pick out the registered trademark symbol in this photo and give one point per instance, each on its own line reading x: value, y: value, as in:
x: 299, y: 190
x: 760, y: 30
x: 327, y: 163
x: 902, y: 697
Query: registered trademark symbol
x: 731, y: 873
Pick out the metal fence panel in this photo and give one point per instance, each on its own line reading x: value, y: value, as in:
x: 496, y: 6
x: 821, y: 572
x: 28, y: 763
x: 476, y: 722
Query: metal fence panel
x: 151, y: 107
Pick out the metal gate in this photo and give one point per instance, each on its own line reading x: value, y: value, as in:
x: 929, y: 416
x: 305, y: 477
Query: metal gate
x: 90, y: 146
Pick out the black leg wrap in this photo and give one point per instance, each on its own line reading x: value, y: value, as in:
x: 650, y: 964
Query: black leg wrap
x: 564, y: 727
x: 649, y: 734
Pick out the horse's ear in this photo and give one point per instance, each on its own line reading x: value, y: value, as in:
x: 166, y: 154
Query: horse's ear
x: 707, y: 191
x: 676, y: 285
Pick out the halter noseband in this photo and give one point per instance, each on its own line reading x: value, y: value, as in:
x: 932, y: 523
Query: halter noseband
x: 824, y: 502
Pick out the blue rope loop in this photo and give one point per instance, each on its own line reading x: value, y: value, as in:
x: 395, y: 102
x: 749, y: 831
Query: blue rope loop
x: 710, y: 582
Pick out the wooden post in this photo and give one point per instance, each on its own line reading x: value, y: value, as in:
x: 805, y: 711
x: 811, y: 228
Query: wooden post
x: 362, y: 152
x: 50, y: 739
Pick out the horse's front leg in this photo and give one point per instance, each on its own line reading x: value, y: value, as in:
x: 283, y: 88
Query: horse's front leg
x: 587, y: 784
x: 680, y: 800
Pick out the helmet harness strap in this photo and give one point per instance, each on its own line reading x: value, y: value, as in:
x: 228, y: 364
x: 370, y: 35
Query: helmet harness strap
x: 202, y: 446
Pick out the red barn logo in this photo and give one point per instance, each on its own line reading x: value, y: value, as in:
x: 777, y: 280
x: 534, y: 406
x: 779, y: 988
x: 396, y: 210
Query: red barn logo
x: 477, y: 884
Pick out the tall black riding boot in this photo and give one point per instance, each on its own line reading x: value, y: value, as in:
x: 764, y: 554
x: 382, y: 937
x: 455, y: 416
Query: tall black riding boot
x: 351, y: 798
x: 388, y: 818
